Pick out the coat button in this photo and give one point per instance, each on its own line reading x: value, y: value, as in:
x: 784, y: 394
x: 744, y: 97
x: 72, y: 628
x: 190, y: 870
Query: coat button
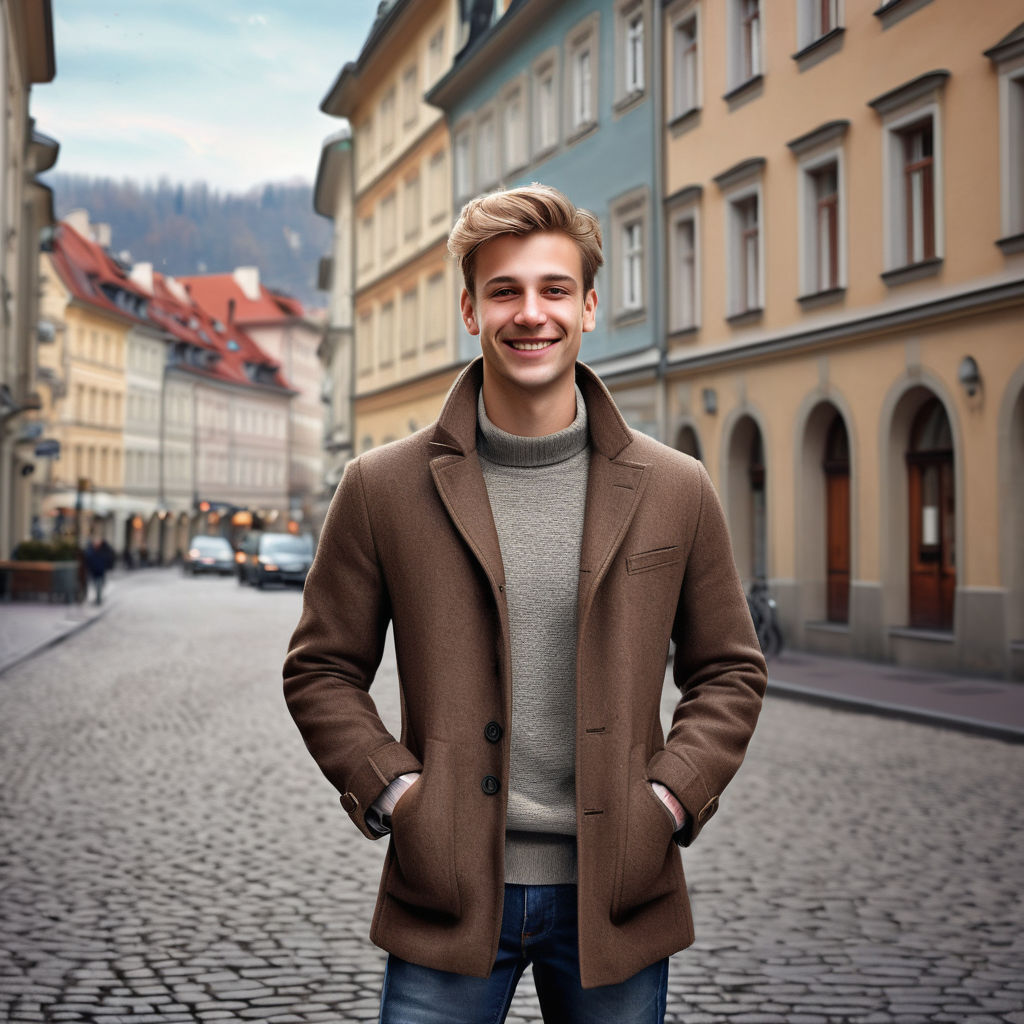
x: 493, y: 732
x: 490, y: 785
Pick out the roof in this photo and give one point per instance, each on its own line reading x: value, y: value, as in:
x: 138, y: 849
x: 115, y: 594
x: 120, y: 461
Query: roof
x: 96, y: 279
x: 217, y: 292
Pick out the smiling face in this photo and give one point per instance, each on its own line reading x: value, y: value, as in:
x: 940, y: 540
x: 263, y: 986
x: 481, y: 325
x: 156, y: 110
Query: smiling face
x: 530, y: 311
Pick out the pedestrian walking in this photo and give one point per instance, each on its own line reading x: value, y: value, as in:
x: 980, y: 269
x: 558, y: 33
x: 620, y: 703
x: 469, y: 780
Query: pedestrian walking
x: 98, y: 557
x: 535, y: 556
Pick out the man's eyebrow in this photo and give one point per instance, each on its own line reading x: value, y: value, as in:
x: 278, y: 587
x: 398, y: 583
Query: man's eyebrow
x: 545, y: 278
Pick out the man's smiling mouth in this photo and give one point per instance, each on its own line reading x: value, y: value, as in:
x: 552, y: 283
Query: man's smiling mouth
x: 530, y: 346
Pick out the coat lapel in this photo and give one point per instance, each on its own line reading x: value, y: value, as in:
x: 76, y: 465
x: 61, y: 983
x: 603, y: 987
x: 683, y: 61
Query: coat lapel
x: 614, y: 490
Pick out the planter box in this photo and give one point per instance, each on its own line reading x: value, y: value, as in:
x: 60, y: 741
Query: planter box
x: 40, y: 581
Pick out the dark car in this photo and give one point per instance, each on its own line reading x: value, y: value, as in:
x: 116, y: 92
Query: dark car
x: 209, y: 554
x: 275, y: 558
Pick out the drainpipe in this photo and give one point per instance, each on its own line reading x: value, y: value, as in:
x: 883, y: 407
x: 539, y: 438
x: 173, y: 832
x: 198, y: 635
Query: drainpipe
x: 658, y: 223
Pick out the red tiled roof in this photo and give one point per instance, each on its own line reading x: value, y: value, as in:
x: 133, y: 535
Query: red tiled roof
x: 216, y: 292
x: 85, y: 268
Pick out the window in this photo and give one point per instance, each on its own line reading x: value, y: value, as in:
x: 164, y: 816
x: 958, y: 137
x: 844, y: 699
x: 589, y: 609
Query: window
x: 410, y: 96
x: 745, y: 54
x: 364, y: 342
x: 388, y: 225
x: 825, y: 186
x: 366, y: 252
x: 630, y: 53
x: 632, y: 265
x: 486, y: 150
x: 582, y: 74
x: 816, y: 19
x: 386, y: 335
x: 629, y: 215
x: 387, y: 121
x: 412, y: 207
x: 1008, y: 58
x: 685, y: 66
x: 513, y: 119
x: 462, y: 150
x: 912, y: 178
x: 436, y: 318
x: 364, y: 145
x: 684, y: 284
x: 410, y: 325
x: 437, y: 186
x: 545, y: 103
x: 435, y: 56
x: 744, y: 236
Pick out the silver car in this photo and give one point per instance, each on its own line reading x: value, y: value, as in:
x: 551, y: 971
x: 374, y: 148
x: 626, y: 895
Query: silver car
x: 209, y: 554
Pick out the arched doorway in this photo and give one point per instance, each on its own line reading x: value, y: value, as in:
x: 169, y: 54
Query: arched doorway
x: 747, y: 507
x: 688, y: 442
x: 932, y: 529
x: 836, y: 466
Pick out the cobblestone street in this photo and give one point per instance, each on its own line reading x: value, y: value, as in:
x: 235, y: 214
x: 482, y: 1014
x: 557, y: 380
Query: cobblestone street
x: 170, y: 852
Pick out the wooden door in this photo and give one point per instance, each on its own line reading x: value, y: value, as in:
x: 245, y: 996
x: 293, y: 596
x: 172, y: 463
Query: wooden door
x: 837, y: 525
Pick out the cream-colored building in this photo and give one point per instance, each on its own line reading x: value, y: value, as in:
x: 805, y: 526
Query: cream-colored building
x: 844, y: 197
x: 405, y: 291
x: 26, y: 207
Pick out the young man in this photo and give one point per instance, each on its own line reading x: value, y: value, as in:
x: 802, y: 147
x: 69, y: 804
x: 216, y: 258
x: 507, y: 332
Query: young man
x: 535, y: 556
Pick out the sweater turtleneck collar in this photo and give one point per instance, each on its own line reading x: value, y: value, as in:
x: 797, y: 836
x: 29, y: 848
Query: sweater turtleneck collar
x: 498, y: 446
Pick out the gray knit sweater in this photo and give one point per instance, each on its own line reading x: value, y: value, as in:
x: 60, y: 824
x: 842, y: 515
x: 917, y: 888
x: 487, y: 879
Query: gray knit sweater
x: 537, y: 488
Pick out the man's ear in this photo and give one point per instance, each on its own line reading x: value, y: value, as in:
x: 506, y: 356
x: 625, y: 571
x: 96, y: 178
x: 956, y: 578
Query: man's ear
x: 468, y: 313
x: 590, y: 310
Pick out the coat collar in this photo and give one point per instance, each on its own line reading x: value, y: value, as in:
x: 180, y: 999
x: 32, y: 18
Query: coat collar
x: 456, y: 426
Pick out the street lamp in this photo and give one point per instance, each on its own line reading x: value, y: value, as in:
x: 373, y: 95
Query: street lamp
x: 969, y: 375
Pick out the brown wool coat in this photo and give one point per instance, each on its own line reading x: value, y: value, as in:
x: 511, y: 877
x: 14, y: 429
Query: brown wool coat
x: 410, y: 538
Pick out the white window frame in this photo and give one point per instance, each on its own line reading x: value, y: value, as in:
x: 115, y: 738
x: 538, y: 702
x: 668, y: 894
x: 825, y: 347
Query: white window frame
x: 437, y: 187
x: 386, y: 334
x: 367, y: 251
x: 632, y: 50
x: 683, y: 315
x: 514, y: 147
x: 810, y: 165
x: 463, y: 176
x: 544, y: 122
x: 412, y: 206
x: 894, y: 206
x: 364, y: 145
x: 809, y: 27
x: 685, y: 100
x: 739, y: 74
x: 581, y: 92
x: 410, y: 96
x: 409, y: 327
x: 388, y: 225
x: 630, y: 263
x: 436, y: 302
x: 435, y: 55
x: 1011, y: 151
x: 365, y: 347
x: 388, y: 116
x: 488, y: 153
x: 738, y: 301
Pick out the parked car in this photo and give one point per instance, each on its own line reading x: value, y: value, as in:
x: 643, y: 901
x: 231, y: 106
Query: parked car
x: 275, y: 558
x: 209, y: 554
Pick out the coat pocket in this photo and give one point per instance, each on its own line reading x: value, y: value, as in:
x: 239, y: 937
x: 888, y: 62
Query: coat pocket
x: 644, y: 561
x: 648, y: 865
x: 422, y: 869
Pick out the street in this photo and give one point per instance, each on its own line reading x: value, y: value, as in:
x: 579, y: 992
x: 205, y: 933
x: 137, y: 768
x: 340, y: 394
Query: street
x: 170, y: 852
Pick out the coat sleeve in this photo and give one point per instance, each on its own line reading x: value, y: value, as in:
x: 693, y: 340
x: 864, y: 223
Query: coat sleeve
x: 334, y: 654
x: 719, y: 669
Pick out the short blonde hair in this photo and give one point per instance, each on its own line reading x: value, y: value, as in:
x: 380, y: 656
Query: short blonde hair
x: 521, y: 211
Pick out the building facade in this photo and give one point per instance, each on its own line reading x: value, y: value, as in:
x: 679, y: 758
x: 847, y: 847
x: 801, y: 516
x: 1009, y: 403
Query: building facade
x: 26, y: 207
x: 844, y: 208
x: 404, y: 291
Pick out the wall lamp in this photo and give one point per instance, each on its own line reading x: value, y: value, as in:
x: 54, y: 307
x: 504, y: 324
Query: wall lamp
x: 709, y: 398
x: 969, y: 375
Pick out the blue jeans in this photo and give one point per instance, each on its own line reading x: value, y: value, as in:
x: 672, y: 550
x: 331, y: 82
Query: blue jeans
x: 538, y: 926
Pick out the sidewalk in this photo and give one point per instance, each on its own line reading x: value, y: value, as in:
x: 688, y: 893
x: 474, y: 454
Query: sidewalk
x: 993, y: 707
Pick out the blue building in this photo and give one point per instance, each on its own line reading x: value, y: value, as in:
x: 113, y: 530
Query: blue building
x: 566, y: 94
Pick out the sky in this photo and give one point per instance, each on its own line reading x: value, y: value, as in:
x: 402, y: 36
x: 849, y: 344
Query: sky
x: 222, y: 91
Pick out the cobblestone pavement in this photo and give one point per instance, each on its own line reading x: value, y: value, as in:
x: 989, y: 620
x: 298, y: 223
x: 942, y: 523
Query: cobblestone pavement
x: 169, y: 852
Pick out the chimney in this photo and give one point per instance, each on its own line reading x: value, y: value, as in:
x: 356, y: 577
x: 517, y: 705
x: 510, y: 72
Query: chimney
x: 231, y: 311
x: 79, y: 220
x: 248, y: 279
x: 142, y: 275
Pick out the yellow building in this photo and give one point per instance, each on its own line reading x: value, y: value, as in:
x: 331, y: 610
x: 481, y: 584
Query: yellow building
x: 87, y: 363
x: 845, y: 288
x: 405, y: 294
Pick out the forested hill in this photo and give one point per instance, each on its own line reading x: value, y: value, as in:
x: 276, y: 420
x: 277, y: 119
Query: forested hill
x: 193, y: 229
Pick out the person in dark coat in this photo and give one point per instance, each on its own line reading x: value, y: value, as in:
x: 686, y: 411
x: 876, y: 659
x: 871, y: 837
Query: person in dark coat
x: 99, y: 557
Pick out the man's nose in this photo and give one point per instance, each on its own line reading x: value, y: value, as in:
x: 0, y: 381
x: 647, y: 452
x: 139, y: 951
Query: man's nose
x: 530, y: 312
